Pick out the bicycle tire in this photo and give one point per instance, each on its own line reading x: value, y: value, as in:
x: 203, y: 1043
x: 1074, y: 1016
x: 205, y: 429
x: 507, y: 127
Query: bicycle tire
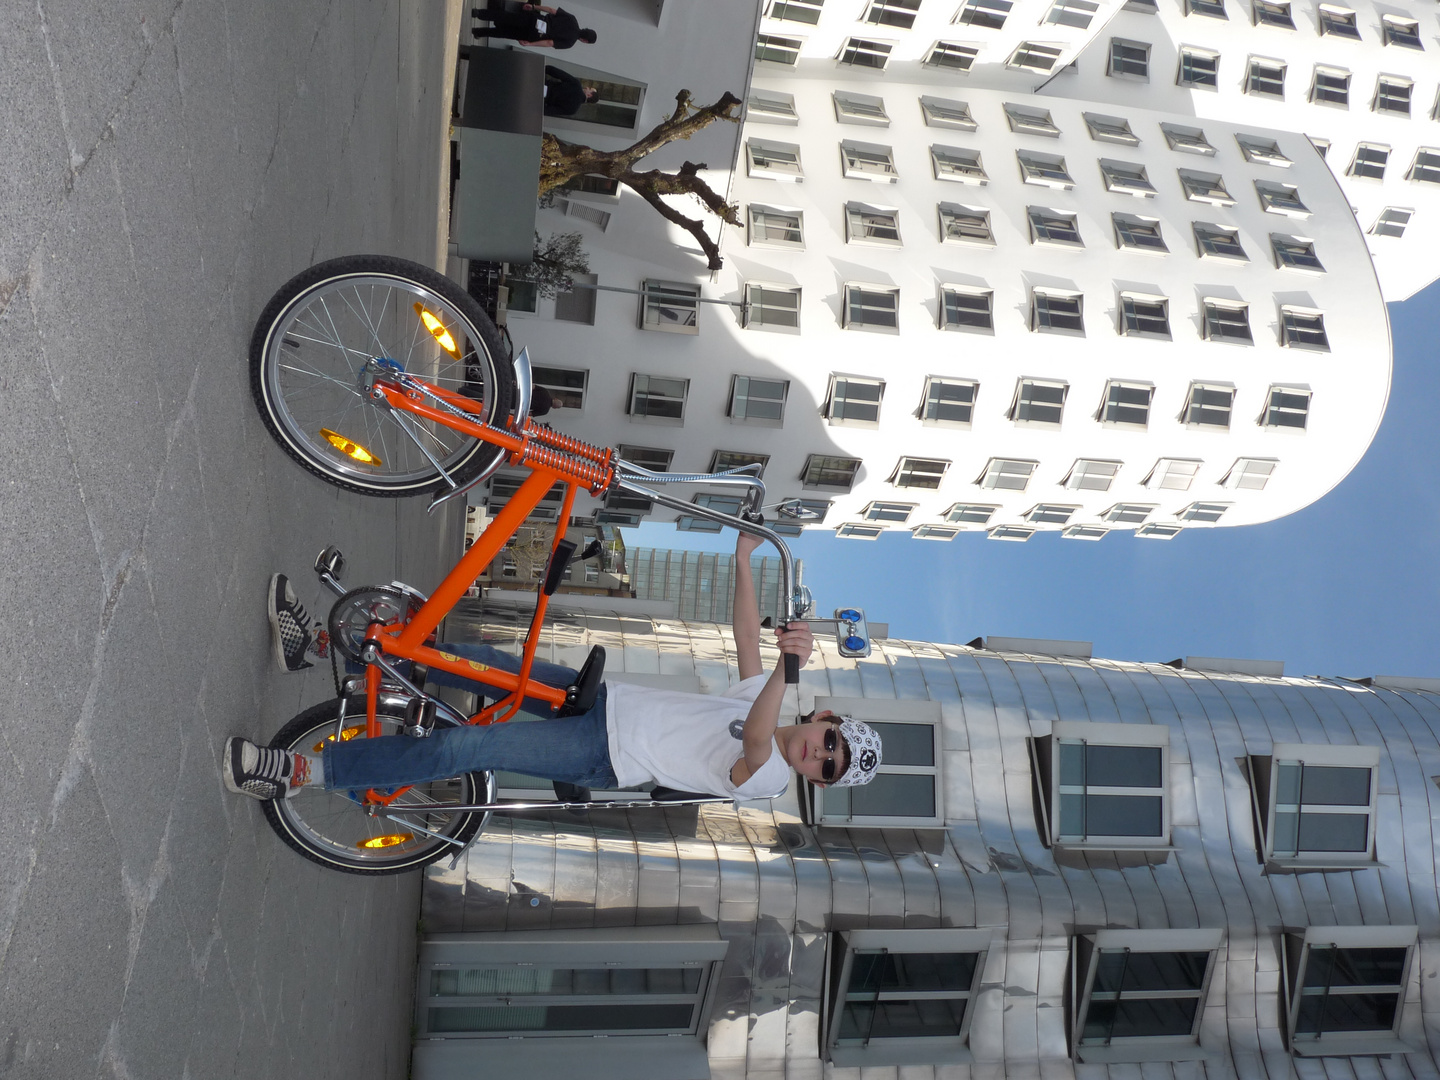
x: 328, y: 828
x: 312, y: 340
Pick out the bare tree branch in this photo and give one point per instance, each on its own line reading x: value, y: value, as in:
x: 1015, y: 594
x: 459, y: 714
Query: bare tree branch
x: 690, y: 225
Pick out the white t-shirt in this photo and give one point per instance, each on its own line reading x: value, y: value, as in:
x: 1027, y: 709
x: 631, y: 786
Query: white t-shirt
x: 689, y: 742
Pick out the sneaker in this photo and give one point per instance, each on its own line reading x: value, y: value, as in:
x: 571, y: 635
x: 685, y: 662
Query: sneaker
x: 256, y: 771
x: 292, y: 632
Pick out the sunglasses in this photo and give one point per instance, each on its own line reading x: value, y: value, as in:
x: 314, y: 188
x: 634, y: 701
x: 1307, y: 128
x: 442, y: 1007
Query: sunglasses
x: 828, y: 767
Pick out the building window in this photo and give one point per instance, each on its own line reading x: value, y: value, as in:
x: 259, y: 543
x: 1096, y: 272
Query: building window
x: 1338, y: 21
x: 1287, y: 407
x: 857, y: 52
x: 853, y: 401
x: 1402, y: 32
x: 1369, y: 161
x: 872, y: 307
x: 868, y: 161
x: 656, y: 398
x: 772, y: 307
x: 1129, y: 60
x: 934, y: 532
x: 942, y: 112
x: 1128, y: 513
x: 776, y: 49
x: 965, y: 225
x: 1262, y: 151
x: 566, y: 385
x: 1219, y: 242
x: 1227, y: 322
x: 1005, y: 474
x: 670, y: 306
x: 948, y: 402
x: 1084, y: 532
x: 951, y: 54
x: 1392, y: 95
x: 1426, y: 167
x: 652, y: 458
x: 776, y: 228
x: 1331, y: 87
x: 1158, y: 532
x: 772, y: 160
x: 801, y: 11
x: 812, y: 511
x: 1144, y: 316
x: 1112, y: 129
x: 725, y: 504
x: 888, y: 511
x: 829, y: 472
x: 1138, y: 234
x: 1214, y: 9
x: 1270, y: 14
x: 1057, y: 313
x: 1076, y: 13
x: 914, y: 472
x: 1281, y: 199
x: 1391, y: 222
x: 1187, y: 140
x: 1046, y: 170
x: 859, y: 532
x: 970, y: 514
x: 1199, y: 68
x: 1316, y: 804
x: 908, y: 789
x: 1172, y: 474
x: 1293, y: 253
x: 725, y: 460
x: 865, y: 224
x: 1014, y: 533
x: 1126, y: 404
x: 1303, y: 328
x: 1049, y: 514
x: 899, y: 13
x: 964, y: 309
x: 1345, y: 989
x: 1203, y: 512
x: 1104, y: 785
x: 1037, y: 403
x: 962, y: 166
x: 990, y: 14
x: 860, y: 109
x: 1141, y: 993
x: 577, y: 304
x: 760, y: 400
x: 1249, y: 474
x: 771, y: 107
x: 1028, y: 121
x: 1209, y: 406
x: 1088, y: 474
x: 1033, y: 56
x: 1053, y: 227
x: 1127, y: 178
x: 1205, y: 187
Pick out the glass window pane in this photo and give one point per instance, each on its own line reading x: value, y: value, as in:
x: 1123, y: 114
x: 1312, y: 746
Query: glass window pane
x: 1150, y: 970
x: 1123, y: 815
x: 1354, y: 967
x: 906, y: 744
x: 1123, y: 766
x: 1128, y: 1019
x: 1346, y: 1012
x: 1334, y: 832
x: 876, y: 972
x: 1335, y: 786
x: 634, y: 1017
x: 902, y: 1019
x: 892, y: 795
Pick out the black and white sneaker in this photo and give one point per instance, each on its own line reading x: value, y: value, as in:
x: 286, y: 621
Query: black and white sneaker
x: 257, y: 771
x: 293, y: 632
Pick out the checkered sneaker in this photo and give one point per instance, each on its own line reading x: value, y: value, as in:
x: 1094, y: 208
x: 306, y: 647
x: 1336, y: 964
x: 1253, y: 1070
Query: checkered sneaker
x: 293, y: 632
x: 256, y: 771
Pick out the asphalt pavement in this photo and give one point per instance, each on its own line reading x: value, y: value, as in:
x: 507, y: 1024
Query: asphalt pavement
x: 166, y: 166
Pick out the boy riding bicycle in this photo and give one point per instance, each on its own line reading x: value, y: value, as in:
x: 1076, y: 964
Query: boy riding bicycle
x: 729, y: 744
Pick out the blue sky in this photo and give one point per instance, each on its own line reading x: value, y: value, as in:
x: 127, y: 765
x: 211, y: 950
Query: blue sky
x: 1347, y: 586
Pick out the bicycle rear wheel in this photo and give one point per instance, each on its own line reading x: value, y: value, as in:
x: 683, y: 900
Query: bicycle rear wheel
x: 308, y: 369
x: 334, y: 830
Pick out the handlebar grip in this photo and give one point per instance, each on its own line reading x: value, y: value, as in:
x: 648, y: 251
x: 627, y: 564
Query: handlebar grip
x: 792, y: 668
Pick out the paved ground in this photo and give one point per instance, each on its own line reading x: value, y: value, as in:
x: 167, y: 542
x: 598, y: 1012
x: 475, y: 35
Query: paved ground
x: 166, y: 165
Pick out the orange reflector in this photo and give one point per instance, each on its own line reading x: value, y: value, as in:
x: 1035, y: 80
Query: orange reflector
x: 349, y: 447
x: 437, y: 330
x: 345, y: 736
x: 386, y: 841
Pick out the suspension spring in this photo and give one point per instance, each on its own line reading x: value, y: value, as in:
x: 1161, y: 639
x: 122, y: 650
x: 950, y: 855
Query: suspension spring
x: 551, y: 437
x: 595, y: 475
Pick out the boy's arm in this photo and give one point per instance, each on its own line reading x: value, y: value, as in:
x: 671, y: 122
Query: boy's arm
x: 764, y: 715
x: 745, y: 622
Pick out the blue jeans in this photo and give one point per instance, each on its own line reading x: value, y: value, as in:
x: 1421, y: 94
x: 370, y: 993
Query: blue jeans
x: 575, y: 749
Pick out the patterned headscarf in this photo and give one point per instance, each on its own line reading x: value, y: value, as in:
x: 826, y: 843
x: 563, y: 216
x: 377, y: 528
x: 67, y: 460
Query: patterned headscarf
x: 864, y: 746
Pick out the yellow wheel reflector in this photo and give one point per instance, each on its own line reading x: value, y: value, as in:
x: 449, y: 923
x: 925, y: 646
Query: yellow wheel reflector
x: 437, y: 330
x: 345, y: 736
x: 349, y: 447
x: 387, y: 841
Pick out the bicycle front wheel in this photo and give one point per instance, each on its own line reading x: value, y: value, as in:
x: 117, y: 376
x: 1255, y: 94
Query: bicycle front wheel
x: 334, y: 830
x: 324, y: 336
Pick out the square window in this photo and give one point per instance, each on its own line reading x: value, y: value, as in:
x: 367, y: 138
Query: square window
x: 1338, y: 21
x: 1265, y: 77
x: 888, y: 511
x: 1303, y: 328
x: 1198, y: 68
x: 970, y: 514
x: 1110, y: 129
x: 1127, y: 178
x: 1033, y: 56
x: 942, y: 112
x: 934, y: 532
x: 725, y: 460
x: 772, y: 227
x: 1262, y: 151
x: 1205, y: 187
x: 1138, y: 234
x: 775, y: 49
x: 854, y: 401
x: 1005, y: 474
x: 654, y: 397
x: 854, y: 531
x: 1076, y: 13
x: 1219, y: 242
x: 670, y: 306
x: 965, y: 225
x: 872, y: 307
x: 914, y: 472
x: 1369, y: 161
x: 1172, y: 474
x: 1053, y: 227
x: 1294, y: 253
x: 1057, y: 313
x: 858, y: 52
x: 1426, y: 167
x: 1273, y: 14
x: 1141, y: 993
x: 1212, y: 9
x: 1027, y: 121
x: 990, y: 14
x: 1104, y: 785
x: 860, y: 109
x: 1088, y: 474
x: 1331, y: 86
x: 1129, y: 60
x: 1085, y: 532
x: 1227, y: 322
x: 1045, y: 170
x: 1287, y: 407
x: 1392, y: 221
x: 1392, y: 95
x: 761, y: 400
x: 772, y: 307
x: 1128, y: 513
x: 1014, y: 533
x: 899, y: 13
x: 1203, y: 512
x: 1144, y: 316
x: 577, y: 304
x: 1249, y: 474
x: 1038, y: 403
x: 954, y: 55
x: 1402, y: 32
x: 725, y: 504
x: 649, y: 458
x: 1345, y: 989
x: 773, y: 160
x: 829, y: 472
x: 1316, y: 803
x: 1126, y: 404
x: 1208, y: 406
x: 865, y: 224
x: 1158, y: 532
x: 802, y: 11
x: 966, y: 309
x: 1281, y: 199
x: 868, y: 161
x: 1049, y: 514
x: 566, y: 385
x: 1187, y: 140
x: 962, y: 166
x: 908, y: 790
x: 771, y: 107
x: 948, y: 402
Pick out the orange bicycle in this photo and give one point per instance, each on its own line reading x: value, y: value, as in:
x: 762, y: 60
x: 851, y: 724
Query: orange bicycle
x: 384, y: 377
